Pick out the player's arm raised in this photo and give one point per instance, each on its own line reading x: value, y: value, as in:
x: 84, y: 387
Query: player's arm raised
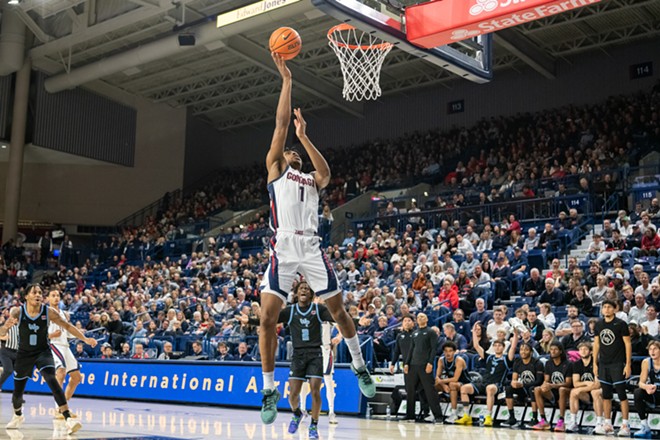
x: 57, y: 319
x: 322, y: 174
x: 275, y: 157
x: 11, y: 321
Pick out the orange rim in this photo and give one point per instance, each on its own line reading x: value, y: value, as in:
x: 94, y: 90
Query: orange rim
x: 348, y: 27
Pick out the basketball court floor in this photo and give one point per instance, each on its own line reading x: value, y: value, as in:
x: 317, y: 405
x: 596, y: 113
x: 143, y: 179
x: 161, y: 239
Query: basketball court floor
x: 114, y: 419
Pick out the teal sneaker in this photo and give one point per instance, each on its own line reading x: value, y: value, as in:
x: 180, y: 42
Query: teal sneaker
x: 313, y: 431
x: 295, y: 422
x: 269, y: 405
x: 645, y: 432
x: 365, y: 382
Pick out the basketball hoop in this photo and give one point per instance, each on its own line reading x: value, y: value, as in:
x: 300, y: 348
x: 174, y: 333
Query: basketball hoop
x: 361, y: 56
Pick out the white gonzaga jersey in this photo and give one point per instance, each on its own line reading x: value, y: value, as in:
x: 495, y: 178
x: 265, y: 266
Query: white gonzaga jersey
x: 294, y: 202
x: 52, y: 328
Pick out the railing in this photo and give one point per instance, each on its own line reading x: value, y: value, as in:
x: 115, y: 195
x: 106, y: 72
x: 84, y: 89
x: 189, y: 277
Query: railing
x: 537, y: 209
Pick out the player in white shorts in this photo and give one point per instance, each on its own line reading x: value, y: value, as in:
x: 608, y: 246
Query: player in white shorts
x: 328, y: 372
x: 65, y: 361
x: 295, y: 246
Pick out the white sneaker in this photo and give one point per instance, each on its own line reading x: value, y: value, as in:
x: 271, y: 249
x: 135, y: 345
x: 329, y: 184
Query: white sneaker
x: 451, y: 419
x: 572, y: 427
x: 15, y: 435
x: 73, y: 426
x: 624, y: 431
x: 604, y: 429
x: 332, y: 418
x: 16, y: 422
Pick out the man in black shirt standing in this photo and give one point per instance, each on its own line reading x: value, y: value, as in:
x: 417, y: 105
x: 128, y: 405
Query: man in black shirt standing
x: 613, y: 365
x: 419, y: 367
x: 401, y: 349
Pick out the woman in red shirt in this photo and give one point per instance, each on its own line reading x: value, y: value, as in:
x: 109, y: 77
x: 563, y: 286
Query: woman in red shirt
x: 449, y: 293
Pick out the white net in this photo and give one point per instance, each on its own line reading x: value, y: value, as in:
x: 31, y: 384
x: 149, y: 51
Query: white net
x: 361, y: 56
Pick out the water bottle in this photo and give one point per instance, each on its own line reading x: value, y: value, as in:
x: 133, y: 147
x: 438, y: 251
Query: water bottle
x: 368, y: 415
x: 388, y: 412
x: 481, y: 419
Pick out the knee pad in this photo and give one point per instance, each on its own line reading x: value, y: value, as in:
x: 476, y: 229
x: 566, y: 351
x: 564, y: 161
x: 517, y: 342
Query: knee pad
x: 608, y: 391
x: 621, y: 391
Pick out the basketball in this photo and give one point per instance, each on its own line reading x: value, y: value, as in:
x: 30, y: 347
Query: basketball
x: 286, y: 42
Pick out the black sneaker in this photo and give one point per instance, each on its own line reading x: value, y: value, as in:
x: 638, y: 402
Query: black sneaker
x: 511, y: 422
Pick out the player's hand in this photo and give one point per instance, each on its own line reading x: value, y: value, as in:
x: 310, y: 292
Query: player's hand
x: 299, y: 122
x: 91, y: 342
x: 429, y: 368
x: 627, y: 371
x: 56, y: 333
x: 10, y: 322
x: 651, y: 389
x: 405, y: 369
x: 285, y: 73
x: 392, y: 369
x: 545, y: 388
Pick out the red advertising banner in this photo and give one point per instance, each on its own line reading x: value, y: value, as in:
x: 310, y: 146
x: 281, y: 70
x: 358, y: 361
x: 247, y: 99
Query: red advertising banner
x: 441, y: 22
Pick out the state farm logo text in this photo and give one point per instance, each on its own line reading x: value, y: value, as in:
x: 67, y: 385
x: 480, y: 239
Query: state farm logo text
x: 491, y: 5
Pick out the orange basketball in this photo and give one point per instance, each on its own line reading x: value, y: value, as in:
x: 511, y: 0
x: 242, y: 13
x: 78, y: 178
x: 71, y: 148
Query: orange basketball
x: 286, y: 42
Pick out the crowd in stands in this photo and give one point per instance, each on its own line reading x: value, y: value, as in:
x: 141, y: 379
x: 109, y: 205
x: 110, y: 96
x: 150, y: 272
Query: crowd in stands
x: 135, y: 296
x: 559, y: 151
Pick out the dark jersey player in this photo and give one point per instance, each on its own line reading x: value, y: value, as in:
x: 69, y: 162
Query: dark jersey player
x: 647, y: 396
x: 304, y: 319
x: 33, y: 318
x: 527, y: 374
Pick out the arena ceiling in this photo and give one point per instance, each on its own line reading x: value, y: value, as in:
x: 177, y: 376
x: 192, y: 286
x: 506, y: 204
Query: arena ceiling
x: 229, y: 87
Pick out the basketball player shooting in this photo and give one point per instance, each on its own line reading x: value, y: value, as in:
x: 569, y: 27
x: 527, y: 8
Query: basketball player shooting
x: 33, y: 318
x: 295, y: 246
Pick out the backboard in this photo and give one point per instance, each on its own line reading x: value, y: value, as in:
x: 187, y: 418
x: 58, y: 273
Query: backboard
x: 470, y: 58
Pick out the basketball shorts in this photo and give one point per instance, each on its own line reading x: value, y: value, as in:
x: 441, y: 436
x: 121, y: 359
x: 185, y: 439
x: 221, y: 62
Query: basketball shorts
x: 328, y: 361
x: 64, y: 358
x: 306, y: 364
x: 291, y: 254
x: 26, y: 361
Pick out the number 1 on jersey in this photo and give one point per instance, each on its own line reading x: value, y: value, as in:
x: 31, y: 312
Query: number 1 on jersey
x: 302, y: 193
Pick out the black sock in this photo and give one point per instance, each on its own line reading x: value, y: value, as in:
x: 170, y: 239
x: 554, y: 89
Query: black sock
x: 297, y: 412
x: 66, y: 414
x: 314, y: 422
x: 533, y: 415
x: 18, y: 412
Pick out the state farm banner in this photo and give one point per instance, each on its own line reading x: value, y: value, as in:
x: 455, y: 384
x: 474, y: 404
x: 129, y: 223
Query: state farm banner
x: 441, y: 22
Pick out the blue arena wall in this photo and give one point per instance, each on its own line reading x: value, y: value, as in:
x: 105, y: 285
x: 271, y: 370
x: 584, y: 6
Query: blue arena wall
x: 198, y: 382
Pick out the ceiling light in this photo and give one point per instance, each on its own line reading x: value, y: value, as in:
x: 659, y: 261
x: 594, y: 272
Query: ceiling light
x: 14, y: 2
x: 3, y: 146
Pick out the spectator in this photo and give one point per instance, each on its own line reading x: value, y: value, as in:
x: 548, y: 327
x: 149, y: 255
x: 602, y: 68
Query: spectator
x: 139, y: 352
x: 243, y: 353
x: 80, y: 352
x: 650, y: 325
x: 551, y: 294
x: 167, y: 352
